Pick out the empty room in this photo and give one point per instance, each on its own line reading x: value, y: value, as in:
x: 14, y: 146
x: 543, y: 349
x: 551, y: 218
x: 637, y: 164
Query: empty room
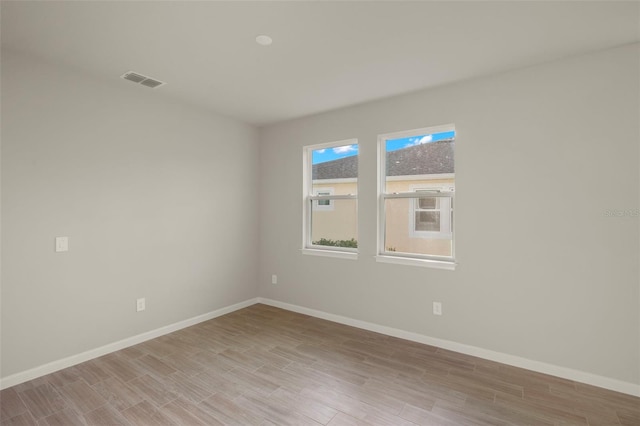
x: 320, y: 213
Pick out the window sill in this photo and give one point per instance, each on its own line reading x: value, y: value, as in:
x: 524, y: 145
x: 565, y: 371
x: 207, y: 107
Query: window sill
x: 425, y: 263
x: 330, y: 253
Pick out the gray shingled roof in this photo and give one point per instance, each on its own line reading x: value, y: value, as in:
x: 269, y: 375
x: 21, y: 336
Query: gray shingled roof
x: 425, y: 159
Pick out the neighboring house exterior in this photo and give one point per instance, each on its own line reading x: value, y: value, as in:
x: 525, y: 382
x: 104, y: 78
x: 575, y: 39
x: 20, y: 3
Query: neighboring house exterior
x: 413, y: 225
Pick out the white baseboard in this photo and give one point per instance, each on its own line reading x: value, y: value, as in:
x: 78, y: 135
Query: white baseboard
x: 516, y: 361
x: 52, y: 367
x: 541, y: 367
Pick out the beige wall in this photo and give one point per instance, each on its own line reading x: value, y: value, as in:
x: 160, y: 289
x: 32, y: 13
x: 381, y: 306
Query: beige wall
x: 338, y: 221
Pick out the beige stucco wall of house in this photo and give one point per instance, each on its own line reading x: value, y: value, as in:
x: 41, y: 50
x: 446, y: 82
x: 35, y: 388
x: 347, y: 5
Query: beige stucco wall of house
x: 339, y: 222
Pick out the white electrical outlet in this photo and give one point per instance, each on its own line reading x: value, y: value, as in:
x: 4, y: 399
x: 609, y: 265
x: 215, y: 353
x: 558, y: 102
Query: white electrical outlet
x: 140, y: 304
x: 274, y: 279
x: 437, y: 308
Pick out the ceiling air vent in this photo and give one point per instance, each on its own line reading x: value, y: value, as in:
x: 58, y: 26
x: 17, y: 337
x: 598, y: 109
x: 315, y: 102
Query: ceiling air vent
x: 142, y: 79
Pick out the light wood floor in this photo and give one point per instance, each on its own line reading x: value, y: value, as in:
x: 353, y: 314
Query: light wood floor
x: 266, y: 366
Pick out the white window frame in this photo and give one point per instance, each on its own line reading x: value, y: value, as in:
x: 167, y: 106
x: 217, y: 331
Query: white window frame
x: 444, y: 209
x: 310, y: 203
x: 384, y: 256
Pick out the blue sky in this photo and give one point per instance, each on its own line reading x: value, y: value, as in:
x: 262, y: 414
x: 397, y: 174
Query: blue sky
x: 330, y: 154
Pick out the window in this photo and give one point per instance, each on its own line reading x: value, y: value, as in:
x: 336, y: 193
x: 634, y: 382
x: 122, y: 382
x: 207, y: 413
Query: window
x: 325, y: 204
x: 431, y: 216
x: 330, y: 188
x: 416, y: 197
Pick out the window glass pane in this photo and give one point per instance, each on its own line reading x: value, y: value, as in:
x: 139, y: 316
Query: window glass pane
x: 336, y: 167
x: 332, y: 223
x: 336, y: 227
x: 428, y: 203
x: 421, y: 163
x: 410, y: 157
x: 427, y: 221
x: 416, y: 232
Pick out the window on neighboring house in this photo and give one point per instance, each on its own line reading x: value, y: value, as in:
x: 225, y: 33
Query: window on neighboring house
x: 416, y: 196
x: 325, y: 204
x: 431, y: 216
x: 330, y: 199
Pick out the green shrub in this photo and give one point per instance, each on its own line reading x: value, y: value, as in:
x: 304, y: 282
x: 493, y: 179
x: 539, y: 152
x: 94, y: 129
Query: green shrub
x: 352, y: 243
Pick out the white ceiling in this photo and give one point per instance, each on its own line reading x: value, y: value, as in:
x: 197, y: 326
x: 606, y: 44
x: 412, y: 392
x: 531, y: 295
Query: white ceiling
x: 325, y: 55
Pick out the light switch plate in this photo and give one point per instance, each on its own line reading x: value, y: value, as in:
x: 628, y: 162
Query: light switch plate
x: 62, y: 244
x: 141, y: 304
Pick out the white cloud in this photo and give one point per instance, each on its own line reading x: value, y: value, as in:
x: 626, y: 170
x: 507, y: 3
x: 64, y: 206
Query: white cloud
x: 344, y: 149
x: 320, y: 151
x: 425, y: 139
x: 416, y: 141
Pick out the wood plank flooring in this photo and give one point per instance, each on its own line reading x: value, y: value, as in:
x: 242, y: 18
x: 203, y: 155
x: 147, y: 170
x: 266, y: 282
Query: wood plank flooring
x: 266, y: 366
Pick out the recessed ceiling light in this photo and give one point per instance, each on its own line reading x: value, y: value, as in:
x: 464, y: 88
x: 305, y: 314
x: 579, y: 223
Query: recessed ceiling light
x: 264, y: 40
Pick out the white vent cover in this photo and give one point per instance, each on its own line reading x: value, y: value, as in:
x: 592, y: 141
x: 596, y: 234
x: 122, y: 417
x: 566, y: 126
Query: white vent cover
x: 142, y: 79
